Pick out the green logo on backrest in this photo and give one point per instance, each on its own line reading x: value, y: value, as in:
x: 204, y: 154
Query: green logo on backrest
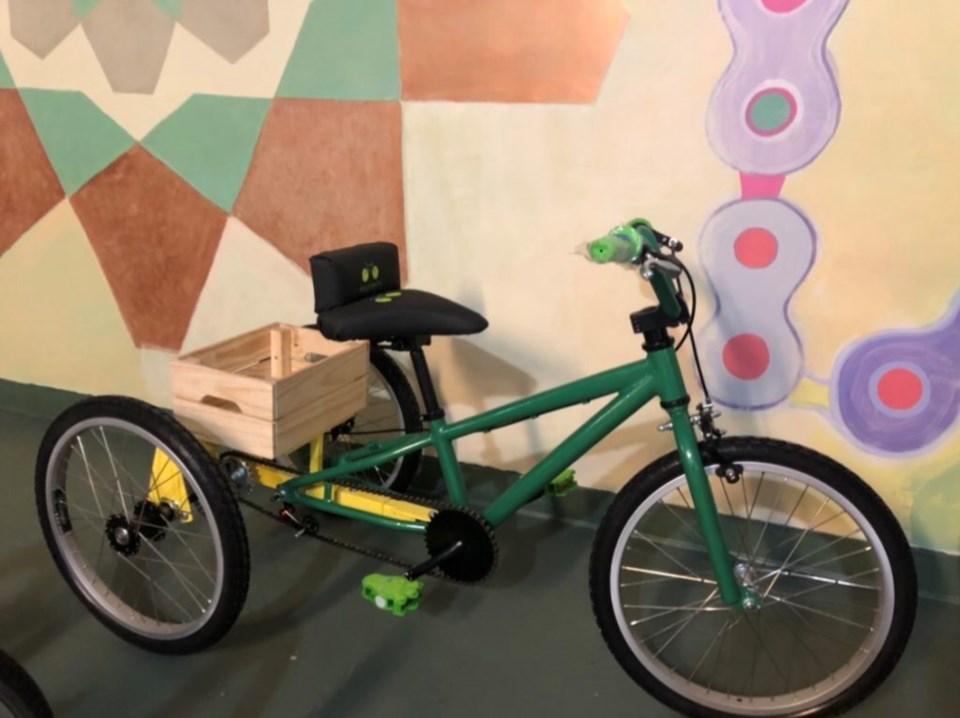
x: 370, y: 272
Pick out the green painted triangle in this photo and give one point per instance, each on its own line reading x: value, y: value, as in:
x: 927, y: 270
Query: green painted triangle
x: 170, y: 7
x: 347, y: 50
x: 209, y: 141
x: 6, y: 79
x: 79, y: 138
x: 84, y: 7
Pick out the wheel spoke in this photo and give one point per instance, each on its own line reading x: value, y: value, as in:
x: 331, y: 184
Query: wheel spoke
x: 86, y: 463
x: 700, y: 609
x: 763, y: 645
x: 825, y: 614
x: 670, y: 557
x: 666, y: 575
x: 727, y: 626
x: 695, y: 533
x: 786, y: 563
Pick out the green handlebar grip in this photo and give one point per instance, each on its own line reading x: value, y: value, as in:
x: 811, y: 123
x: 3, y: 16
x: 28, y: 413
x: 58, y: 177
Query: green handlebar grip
x: 622, y: 244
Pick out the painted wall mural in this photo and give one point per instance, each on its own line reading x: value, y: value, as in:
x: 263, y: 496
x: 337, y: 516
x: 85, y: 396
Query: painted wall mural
x: 896, y: 392
x: 773, y: 111
x: 301, y: 143
x: 164, y: 191
x: 131, y: 38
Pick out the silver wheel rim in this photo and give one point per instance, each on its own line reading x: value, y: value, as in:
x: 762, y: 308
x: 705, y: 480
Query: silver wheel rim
x: 380, y: 420
x: 801, y: 546
x: 170, y: 587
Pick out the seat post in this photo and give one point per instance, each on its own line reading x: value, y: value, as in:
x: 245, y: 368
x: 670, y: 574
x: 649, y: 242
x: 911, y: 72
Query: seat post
x: 422, y: 371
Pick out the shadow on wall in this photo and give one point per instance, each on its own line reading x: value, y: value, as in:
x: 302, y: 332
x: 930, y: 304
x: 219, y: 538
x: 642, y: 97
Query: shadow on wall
x: 468, y: 375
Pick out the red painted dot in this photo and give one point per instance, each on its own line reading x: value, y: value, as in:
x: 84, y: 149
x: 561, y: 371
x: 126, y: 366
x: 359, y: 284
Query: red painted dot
x: 746, y: 356
x: 782, y: 6
x: 900, y: 389
x: 756, y: 247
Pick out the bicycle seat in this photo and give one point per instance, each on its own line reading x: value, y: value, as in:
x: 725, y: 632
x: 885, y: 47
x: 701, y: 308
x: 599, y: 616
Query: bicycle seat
x: 358, y: 296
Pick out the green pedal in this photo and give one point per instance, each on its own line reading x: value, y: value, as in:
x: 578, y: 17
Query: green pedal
x: 392, y: 593
x: 563, y: 484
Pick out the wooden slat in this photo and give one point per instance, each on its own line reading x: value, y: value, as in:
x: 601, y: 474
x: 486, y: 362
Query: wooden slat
x: 237, y: 352
x: 279, y: 352
x: 308, y: 422
x: 194, y: 382
x: 243, y: 433
x: 314, y: 382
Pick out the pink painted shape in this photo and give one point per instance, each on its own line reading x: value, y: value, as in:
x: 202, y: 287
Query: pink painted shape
x: 746, y: 356
x: 900, y: 389
x: 755, y: 247
x: 782, y: 6
x: 760, y: 186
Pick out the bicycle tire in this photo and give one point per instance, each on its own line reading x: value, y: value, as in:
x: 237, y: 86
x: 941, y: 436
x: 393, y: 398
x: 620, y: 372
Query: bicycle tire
x: 160, y: 579
x: 636, y: 525
x: 20, y: 696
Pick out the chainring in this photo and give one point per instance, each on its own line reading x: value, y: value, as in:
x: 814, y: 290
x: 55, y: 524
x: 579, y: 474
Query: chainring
x: 479, y: 555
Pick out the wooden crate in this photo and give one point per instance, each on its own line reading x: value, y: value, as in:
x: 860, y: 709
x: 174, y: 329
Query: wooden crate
x: 271, y: 390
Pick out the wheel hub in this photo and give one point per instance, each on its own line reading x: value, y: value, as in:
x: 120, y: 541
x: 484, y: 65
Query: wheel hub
x: 121, y: 536
x: 747, y: 576
x: 150, y: 520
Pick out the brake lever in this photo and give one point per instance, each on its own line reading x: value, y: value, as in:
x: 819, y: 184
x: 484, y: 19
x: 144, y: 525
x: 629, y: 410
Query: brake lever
x: 652, y: 264
x: 671, y: 243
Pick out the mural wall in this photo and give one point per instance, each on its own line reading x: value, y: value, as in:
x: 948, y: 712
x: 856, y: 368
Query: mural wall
x: 167, y: 166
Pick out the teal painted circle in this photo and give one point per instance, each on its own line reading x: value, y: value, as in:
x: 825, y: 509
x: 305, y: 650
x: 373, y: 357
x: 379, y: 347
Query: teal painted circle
x: 771, y: 111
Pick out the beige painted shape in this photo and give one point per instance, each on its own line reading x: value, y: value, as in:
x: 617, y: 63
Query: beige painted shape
x: 231, y: 27
x: 250, y: 285
x: 60, y: 324
x: 130, y: 38
x: 190, y: 68
x: 40, y: 25
x: 155, y: 370
x: 498, y: 197
x: 882, y: 195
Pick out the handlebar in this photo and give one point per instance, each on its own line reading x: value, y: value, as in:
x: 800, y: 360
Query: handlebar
x: 638, y: 243
x: 627, y: 243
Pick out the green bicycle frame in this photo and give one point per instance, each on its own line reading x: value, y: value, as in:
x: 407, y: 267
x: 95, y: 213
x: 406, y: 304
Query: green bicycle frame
x: 634, y: 385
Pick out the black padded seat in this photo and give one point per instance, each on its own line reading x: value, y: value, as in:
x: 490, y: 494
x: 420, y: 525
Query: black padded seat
x: 357, y: 296
x: 398, y: 315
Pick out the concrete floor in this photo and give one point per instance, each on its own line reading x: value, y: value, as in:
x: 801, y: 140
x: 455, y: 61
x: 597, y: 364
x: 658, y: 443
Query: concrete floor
x: 522, y: 644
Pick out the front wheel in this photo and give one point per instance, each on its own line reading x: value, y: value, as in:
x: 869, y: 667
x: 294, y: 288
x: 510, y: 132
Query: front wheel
x: 825, y: 559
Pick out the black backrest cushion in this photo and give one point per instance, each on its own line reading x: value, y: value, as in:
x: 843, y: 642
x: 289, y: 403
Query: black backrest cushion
x: 341, y: 276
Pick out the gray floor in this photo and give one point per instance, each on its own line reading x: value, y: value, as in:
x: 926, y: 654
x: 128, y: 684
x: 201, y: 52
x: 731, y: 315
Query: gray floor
x: 522, y: 644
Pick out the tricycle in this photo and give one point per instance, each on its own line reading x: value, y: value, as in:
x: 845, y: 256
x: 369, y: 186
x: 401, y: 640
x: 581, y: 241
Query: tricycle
x: 732, y: 576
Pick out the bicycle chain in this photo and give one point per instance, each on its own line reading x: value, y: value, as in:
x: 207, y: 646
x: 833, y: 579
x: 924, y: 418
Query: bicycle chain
x: 359, y: 486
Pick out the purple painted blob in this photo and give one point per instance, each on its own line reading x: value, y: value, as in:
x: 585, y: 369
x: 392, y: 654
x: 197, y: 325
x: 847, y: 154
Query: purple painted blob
x: 932, y: 355
x: 776, y: 52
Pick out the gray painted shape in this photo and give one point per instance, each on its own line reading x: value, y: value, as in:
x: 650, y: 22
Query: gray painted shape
x: 230, y: 27
x: 41, y: 25
x: 130, y: 39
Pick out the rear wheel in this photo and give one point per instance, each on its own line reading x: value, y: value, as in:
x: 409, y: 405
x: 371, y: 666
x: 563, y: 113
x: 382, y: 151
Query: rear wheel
x: 825, y: 560
x: 20, y: 696
x: 142, y: 525
x: 392, y: 410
